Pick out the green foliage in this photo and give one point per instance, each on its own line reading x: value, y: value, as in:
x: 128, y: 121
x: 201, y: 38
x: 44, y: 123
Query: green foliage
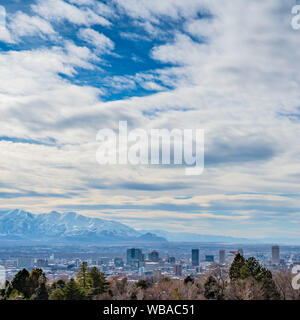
x: 96, y: 282
x: 82, y: 275
x: 243, y: 269
x: 212, y: 290
x: 59, y: 284
x: 73, y: 291
x: 57, y: 294
x: 236, y: 266
x: 21, y: 283
x: 41, y: 293
x: 143, y: 284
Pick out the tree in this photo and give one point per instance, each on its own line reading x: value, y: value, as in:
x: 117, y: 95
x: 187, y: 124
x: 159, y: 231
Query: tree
x: 59, y: 284
x: 212, y: 289
x: 41, y: 293
x: 73, y: 291
x: 37, y: 280
x: 21, y: 283
x: 236, y: 266
x: 57, y: 294
x: 96, y: 282
x: 143, y: 284
x: 82, y: 275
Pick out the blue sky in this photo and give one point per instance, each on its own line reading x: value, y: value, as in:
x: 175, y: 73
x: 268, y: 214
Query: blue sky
x: 71, y: 67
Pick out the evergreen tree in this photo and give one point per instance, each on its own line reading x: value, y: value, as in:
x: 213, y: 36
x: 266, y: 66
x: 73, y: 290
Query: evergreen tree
x: 73, y: 291
x: 37, y: 279
x: 21, y: 283
x: 212, y: 289
x: 236, y: 266
x: 57, y: 294
x: 96, y: 282
x: 82, y: 275
x: 41, y: 293
x: 142, y: 284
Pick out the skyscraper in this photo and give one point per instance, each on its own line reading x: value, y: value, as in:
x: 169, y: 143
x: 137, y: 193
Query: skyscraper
x: 195, y: 257
x: 153, y: 256
x: 134, y: 255
x: 178, y: 269
x: 209, y: 258
x: 275, y: 255
x: 222, y: 258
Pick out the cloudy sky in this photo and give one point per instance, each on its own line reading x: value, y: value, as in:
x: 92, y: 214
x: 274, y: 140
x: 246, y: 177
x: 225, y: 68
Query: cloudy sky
x: 69, y: 68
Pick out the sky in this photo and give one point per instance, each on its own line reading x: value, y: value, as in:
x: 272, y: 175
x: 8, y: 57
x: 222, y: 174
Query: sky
x: 69, y: 68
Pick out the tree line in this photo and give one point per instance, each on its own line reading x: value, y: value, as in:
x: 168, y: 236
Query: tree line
x: 245, y: 279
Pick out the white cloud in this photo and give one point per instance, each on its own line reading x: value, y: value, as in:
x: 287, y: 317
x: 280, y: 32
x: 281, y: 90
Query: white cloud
x: 22, y: 24
x: 237, y: 85
x: 99, y: 40
x: 4, y: 33
x: 57, y: 10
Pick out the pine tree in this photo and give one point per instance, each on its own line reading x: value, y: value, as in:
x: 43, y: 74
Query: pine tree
x: 236, y: 266
x: 21, y: 283
x: 82, y: 275
x: 73, y: 291
x: 96, y: 282
x: 212, y: 289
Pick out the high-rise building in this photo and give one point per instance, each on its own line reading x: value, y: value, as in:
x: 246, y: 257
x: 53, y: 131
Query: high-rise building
x: 134, y: 256
x: 222, y: 258
x: 195, y: 257
x: 118, y: 262
x: 209, y: 258
x: 153, y: 256
x: 275, y: 255
x: 171, y: 260
x: 178, y: 269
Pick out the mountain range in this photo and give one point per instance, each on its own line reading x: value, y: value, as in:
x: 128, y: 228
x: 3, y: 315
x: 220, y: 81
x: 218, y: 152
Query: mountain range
x: 70, y: 227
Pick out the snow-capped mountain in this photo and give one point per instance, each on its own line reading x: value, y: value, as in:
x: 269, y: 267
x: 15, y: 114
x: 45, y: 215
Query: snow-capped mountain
x: 70, y: 226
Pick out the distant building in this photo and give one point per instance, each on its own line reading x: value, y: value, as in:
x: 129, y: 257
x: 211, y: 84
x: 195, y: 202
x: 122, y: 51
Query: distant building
x: 157, y: 275
x: 171, y: 260
x: 275, y: 255
x: 118, y: 262
x: 178, y: 269
x: 153, y: 256
x: 134, y: 257
x: 209, y: 258
x: 41, y: 263
x: 222, y: 258
x: 195, y: 257
x: 25, y: 262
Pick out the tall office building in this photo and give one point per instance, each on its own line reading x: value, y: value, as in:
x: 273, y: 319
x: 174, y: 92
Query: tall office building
x: 134, y: 256
x: 275, y: 255
x: 178, y: 269
x: 171, y: 260
x: 222, y: 258
x: 209, y: 258
x: 153, y: 256
x: 195, y: 257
